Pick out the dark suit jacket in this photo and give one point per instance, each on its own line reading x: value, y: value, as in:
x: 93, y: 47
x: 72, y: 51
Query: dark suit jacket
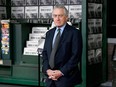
x: 67, y: 57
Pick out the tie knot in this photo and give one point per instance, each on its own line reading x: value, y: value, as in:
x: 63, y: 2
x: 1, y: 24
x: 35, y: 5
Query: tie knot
x: 58, y: 30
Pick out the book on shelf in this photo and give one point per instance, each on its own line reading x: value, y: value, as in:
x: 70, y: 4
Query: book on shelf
x: 91, y: 41
x: 98, y: 24
x: 32, y: 2
x: 60, y: 2
x: 91, y: 26
x: 46, y: 2
x: 98, y: 39
x: 17, y: 12
x: 17, y: 2
x: 73, y: 2
x: 39, y: 30
x: 2, y: 2
x: 98, y: 55
x: 3, y: 13
x: 75, y: 11
x: 30, y: 51
x: 98, y: 10
x: 31, y: 12
x: 33, y: 44
x: 91, y: 10
x: 91, y: 57
x: 45, y: 11
x: 34, y: 37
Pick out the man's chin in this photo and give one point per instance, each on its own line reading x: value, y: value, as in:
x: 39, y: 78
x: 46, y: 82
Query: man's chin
x: 59, y: 25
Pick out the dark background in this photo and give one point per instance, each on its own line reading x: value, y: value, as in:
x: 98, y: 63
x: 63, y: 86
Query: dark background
x: 111, y: 19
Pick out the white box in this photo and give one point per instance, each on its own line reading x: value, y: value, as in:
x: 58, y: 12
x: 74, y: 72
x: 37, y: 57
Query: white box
x: 32, y: 44
x: 35, y: 37
x: 30, y: 51
x: 39, y: 30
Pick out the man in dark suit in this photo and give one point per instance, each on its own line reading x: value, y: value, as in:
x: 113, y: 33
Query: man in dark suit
x: 65, y: 71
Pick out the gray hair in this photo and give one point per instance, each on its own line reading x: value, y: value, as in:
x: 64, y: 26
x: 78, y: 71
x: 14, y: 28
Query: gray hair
x: 62, y: 7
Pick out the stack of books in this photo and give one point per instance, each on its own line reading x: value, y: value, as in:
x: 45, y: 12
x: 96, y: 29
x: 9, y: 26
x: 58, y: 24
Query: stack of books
x: 36, y: 41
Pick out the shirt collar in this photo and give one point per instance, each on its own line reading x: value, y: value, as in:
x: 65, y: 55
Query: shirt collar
x: 62, y: 28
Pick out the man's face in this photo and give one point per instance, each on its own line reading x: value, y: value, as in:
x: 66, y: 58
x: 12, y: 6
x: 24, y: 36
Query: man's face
x: 59, y: 17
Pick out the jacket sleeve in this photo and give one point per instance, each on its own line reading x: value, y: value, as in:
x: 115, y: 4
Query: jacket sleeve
x: 45, y: 57
x: 76, y: 52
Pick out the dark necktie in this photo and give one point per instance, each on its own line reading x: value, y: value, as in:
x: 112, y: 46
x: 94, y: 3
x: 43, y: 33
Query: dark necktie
x: 54, y: 49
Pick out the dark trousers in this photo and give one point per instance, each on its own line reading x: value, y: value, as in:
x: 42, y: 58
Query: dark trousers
x: 53, y: 85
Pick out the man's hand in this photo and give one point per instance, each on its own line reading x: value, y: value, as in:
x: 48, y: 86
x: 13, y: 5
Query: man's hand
x: 57, y: 74
x: 54, y: 74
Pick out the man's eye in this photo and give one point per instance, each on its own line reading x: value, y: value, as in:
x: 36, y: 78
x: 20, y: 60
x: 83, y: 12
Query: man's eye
x: 60, y: 15
x: 57, y: 15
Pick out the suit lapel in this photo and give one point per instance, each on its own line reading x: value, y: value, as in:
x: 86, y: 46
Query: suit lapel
x: 51, y: 40
x: 64, y: 36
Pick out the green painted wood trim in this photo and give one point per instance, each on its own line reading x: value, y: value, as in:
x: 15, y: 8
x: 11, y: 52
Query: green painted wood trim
x: 84, y: 37
x: 105, y: 55
x: 17, y: 43
x: 18, y: 81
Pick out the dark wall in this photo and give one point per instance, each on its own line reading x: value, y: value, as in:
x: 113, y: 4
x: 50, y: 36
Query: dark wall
x: 111, y: 16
